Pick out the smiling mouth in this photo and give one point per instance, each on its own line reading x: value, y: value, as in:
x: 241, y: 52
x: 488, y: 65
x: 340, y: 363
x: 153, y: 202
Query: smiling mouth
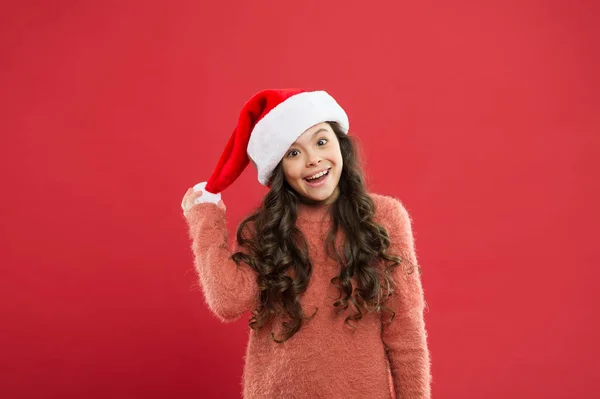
x: 318, y: 179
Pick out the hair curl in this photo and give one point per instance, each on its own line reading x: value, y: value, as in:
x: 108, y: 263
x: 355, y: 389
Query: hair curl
x: 278, y: 250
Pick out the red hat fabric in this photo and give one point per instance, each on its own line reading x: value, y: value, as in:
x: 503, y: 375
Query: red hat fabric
x: 269, y: 123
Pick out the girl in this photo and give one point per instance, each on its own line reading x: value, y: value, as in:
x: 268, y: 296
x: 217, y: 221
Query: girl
x: 328, y: 270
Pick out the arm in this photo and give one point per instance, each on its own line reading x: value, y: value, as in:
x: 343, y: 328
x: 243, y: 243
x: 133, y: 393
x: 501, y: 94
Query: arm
x: 406, y: 338
x: 229, y: 289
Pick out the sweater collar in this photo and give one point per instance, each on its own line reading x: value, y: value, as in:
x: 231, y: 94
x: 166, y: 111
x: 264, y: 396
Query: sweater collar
x: 314, y: 212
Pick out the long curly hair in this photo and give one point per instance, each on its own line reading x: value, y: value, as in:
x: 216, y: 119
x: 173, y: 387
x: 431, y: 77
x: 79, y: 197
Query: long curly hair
x: 278, y: 250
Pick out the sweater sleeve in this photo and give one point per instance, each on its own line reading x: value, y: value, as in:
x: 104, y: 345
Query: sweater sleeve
x: 229, y: 289
x: 406, y: 338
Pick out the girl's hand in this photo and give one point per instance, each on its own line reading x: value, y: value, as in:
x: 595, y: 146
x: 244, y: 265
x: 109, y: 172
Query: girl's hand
x: 190, y: 196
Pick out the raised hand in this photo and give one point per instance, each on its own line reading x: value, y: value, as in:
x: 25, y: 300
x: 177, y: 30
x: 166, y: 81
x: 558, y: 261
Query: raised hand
x: 189, y: 201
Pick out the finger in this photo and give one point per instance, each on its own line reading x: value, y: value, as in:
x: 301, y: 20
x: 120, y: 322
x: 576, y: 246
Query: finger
x: 183, y: 200
x: 193, y: 200
x: 188, y: 199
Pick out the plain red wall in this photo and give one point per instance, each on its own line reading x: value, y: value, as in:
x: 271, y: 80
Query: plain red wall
x: 482, y: 117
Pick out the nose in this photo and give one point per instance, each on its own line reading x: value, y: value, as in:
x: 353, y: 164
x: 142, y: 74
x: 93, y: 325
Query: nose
x: 313, y: 159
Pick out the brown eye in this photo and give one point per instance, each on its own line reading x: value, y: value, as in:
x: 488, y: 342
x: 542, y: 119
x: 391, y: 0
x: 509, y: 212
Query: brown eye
x: 322, y: 139
x: 290, y: 153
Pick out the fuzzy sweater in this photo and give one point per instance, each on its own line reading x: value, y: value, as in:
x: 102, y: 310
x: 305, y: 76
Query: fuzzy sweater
x: 325, y: 358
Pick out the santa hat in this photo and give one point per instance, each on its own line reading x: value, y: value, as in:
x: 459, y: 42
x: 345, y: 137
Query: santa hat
x: 269, y: 123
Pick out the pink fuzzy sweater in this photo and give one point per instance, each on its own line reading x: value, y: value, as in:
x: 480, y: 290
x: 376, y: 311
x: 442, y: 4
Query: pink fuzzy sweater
x: 325, y: 358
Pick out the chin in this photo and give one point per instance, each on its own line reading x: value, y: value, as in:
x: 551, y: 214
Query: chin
x: 317, y: 197
x: 312, y: 194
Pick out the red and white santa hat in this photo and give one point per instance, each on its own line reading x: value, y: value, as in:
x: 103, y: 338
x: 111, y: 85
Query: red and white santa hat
x: 269, y: 123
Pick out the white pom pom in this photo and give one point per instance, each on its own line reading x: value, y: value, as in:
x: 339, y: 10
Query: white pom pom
x: 206, y: 196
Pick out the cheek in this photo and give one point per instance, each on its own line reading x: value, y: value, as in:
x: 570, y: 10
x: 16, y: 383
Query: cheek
x: 337, y: 158
x: 292, y: 171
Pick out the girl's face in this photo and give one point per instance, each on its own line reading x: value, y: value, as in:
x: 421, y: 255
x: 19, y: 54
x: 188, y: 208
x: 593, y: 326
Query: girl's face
x: 317, y: 150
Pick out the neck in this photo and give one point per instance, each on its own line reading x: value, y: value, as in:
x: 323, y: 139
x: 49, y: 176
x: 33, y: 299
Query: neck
x: 309, y: 209
x: 315, y: 210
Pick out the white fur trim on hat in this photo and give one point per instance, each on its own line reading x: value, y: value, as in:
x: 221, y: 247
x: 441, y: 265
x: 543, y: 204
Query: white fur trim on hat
x: 277, y: 131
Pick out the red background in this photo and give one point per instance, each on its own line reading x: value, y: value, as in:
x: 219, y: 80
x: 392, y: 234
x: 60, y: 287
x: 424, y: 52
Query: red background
x: 482, y: 117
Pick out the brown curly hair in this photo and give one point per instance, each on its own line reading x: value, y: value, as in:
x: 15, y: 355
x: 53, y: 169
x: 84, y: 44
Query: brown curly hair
x: 278, y: 250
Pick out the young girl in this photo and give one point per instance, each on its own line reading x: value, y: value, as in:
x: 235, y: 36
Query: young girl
x: 328, y: 270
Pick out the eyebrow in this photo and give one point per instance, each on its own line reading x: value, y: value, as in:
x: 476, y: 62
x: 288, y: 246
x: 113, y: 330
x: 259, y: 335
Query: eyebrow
x: 315, y: 133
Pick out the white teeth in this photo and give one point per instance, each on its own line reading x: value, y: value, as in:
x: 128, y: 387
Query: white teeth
x: 317, y: 175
